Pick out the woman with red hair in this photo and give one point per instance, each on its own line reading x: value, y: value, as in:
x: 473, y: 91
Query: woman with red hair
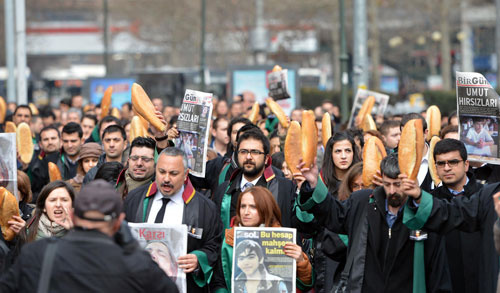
x: 256, y: 207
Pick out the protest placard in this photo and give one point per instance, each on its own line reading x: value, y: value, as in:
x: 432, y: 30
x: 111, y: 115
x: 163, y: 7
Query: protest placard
x: 165, y: 244
x: 194, y: 126
x: 277, y: 83
x: 8, y: 162
x: 379, y: 107
x: 259, y: 260
x: 478, y: 114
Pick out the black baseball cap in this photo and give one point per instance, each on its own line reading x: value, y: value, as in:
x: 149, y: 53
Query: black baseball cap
x: 98, y: 196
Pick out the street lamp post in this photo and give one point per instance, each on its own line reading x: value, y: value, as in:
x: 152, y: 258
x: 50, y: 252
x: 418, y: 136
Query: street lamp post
x: 202, y: 45
x: 344, y: 59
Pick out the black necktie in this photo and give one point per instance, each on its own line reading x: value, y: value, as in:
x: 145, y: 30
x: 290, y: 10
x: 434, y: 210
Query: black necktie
x: 161, y: 212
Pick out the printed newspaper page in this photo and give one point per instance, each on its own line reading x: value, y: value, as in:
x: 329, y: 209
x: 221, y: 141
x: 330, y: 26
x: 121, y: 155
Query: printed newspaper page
x: 8, y: 162
x: 259, y: 262
x: 277, y: 83
x: 165, y: 244
x: 477, y: 110
x: 194, y: 126
x: 381, y: 101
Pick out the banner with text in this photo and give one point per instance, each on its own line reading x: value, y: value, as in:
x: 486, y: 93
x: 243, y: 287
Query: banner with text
x: 259, y: 260
x: 165, y: 244
x: 478, y: 115
x: 194, y: 126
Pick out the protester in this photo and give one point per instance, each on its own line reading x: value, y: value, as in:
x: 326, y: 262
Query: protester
x: 353, y: 181
x: 53, y: 212
x: 48, y: 116
x: 340, y: 155
x: 141, y: 166
x: 278, y: 161
x: 87, y: 159
x: 172, y: 199
x: 220, y: 136
x: 25, y: 195
x: 88, y: 259
x: 449, y: 131
x: 256, y: 207
x: 88, y: 124
x: 98, y: 131
x: 74, y: 115
x: 373, y: 221
x: 254, y: 169
x: 71, y: 144
x: 114, y: 141
x: 38, y: 170
x: 452, y: 167
x: 109, y: 172
x: 22, y: 114
x: 391, y: 133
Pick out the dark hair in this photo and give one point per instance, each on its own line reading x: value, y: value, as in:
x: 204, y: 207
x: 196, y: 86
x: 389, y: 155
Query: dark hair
x: 273, y: 134
x: 235, y: 121
x: 448, y: 129
x: 217, y: 120
x: 91, y: 117
x: 140, y: 141
x: 66, y: 101
x: 23, y: 107
x: 450, y: 145
x: 50, y: 127
x: 410, y: 116
x: 109, y: 171
x: 73, y: 127
x: 128, y: 104
x: 345, y: 187
x: 245, y: 128
x: 108, y: 119
x: 328, y: 168
x: 251, y: 245
x: 388, y: 124
x: 40, y: 204
x: 257, y: 135
x: 357, y: 133
x: 114, y: 128
x: 277, y: 160
x: 390, y: 166
x: 24, y: 187
x: 47, y: 112
x: 173, y: 120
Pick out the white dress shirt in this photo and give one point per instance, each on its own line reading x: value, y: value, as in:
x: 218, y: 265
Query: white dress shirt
x: 424, y: 166
x: 174, y: 210
x: 245, y: 181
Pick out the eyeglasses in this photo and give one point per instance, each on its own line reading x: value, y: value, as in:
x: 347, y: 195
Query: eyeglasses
x: 253, y: 153
x: 144, y: 159
x: 451, y: 163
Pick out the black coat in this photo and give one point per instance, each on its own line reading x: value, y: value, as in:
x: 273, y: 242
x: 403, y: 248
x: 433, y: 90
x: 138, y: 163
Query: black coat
x: 468, y: 214
x: 461, y: 247
x: 282, y: 189
x: 83, y: 265
x: 386, y: 264
x: 39, y: 171
x: 200, y: 214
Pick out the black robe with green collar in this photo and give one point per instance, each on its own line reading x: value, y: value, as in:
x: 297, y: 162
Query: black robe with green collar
x: 204, y: 228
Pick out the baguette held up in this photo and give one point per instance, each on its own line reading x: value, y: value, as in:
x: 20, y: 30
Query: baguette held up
x: 8, y: 208
x: 145, y: 108
x: 373, y: 153
x: 411, y: 148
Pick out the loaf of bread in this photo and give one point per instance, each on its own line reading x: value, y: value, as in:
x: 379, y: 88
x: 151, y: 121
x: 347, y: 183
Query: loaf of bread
x: 8, y: 208
x: 24, y: 141
x: 373, y: 153
x: 433, y: 119
x: 411, y: 147
x: 432, y: 163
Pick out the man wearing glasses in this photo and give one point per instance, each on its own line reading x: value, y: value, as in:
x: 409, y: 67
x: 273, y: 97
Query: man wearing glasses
x: 254, y: 169
x: 141, y: 166
x: 462, y: 210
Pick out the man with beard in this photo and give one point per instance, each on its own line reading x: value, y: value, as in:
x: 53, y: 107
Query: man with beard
x: 38, y: 169
x: 383, y: 254
x: 254, y: 168
x: 141, y: 166
x: 72, y: 141
x: 171, y: 199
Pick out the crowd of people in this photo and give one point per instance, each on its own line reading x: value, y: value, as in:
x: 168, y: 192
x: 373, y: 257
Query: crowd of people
x: 397, y: 235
